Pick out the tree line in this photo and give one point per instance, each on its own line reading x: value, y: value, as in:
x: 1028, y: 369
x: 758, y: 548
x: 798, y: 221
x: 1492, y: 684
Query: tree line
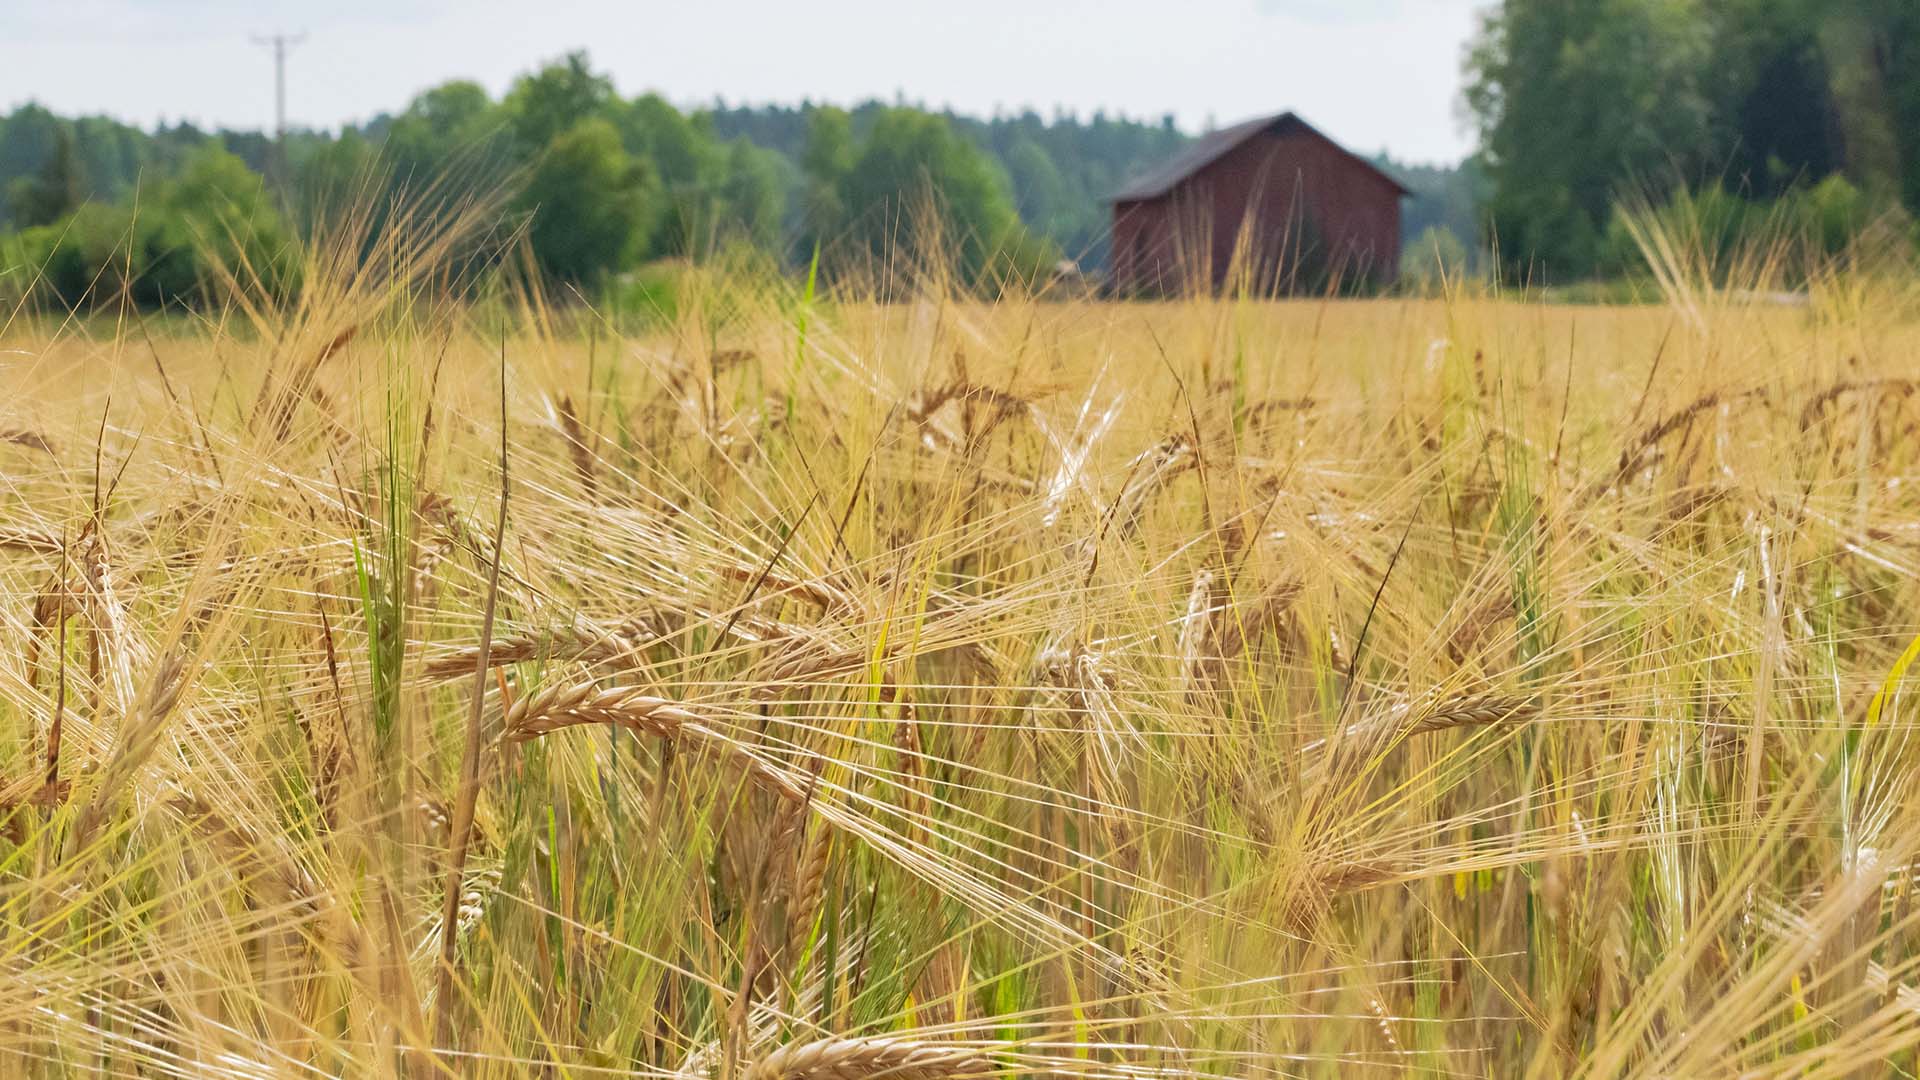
x: 1738, y: 115
x: 1741, y: 114
x: 92, y: 208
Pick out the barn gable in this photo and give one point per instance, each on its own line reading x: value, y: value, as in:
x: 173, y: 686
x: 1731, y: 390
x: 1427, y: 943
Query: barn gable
x: 1272, y: 198
x: 1214, y: 145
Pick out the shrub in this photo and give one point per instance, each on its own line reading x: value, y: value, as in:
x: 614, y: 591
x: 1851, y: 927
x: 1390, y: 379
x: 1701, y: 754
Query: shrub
x: 213, y: 223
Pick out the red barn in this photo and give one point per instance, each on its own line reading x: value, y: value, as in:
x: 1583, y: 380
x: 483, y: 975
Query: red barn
x: 1271, y: 199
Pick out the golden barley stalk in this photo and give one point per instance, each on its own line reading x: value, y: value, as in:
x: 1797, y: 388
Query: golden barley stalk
x: 1194, y: 625
x: 29, y: 539
x: 1476, y: 711
x: 568, y: 706
x: 578, y: 447
x: 32, y: 440
x: 861, y: 1059
x: 1408, y: 719
x: 810, y: 885
x: 821, y: 594
x: 574, y: 643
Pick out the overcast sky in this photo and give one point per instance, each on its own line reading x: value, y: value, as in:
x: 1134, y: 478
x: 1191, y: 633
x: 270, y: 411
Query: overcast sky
x: 1371, y: 73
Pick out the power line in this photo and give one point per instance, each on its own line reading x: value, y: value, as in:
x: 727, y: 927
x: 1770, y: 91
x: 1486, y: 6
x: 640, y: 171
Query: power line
x: 281, y: 43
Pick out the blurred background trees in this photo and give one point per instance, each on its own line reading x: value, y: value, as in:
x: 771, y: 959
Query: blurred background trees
x: 1764, y: 114
x: 1578, y: 104
x: 213, y: 218
x: 605, y: 184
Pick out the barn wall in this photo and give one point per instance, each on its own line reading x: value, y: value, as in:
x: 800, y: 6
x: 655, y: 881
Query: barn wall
x: 1147, y: 254
x: 1350, y: 212
x: 1165, y: 245
x: 1309, y: 210
x: 1128, y: 261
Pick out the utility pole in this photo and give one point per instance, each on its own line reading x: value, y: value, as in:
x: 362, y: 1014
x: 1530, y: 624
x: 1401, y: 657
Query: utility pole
x: 280, y: 44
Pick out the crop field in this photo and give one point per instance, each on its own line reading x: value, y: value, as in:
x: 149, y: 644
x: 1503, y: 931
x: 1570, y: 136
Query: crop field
x: 807, y: 686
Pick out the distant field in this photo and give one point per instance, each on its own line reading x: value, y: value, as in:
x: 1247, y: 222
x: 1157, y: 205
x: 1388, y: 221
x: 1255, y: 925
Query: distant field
x: 949, y: 689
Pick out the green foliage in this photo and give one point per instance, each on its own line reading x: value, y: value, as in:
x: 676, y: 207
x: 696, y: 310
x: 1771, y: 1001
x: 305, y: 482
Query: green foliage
x: 336, y: 178
x: 714, y: 191
x: 753, y: 189
x: 1043, y: 197
x: 647, y: 296
x: 1580, y: 103
x: 1014, y: 191
x: 1447, y: 198
x: 680, y: 147
x: 1087, y: 158
x: 1572, y: 99
x: 825, y: 162
x: 1795, y: 236
x: 1436, y: 257
x: 916, y: 188
x: 443, y: 127
x: 29, y: 141
x: 114, y: 162
x: 214, y: 221
x: 590, y: 202
x: 693, y: 183
x: 607, y: 183
x: 547, y: 103
x: 56, y: 191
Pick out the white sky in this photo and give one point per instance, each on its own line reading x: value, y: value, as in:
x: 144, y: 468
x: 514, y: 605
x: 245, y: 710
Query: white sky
x: 1371, y: 73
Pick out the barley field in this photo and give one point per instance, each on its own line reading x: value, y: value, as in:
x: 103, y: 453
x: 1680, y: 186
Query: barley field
x: 815, y: 687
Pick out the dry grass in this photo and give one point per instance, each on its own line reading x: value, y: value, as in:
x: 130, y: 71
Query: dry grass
x: 960, y: 689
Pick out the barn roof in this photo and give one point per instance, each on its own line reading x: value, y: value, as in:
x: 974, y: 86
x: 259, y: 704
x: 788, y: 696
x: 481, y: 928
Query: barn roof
x: 1214, y: 145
